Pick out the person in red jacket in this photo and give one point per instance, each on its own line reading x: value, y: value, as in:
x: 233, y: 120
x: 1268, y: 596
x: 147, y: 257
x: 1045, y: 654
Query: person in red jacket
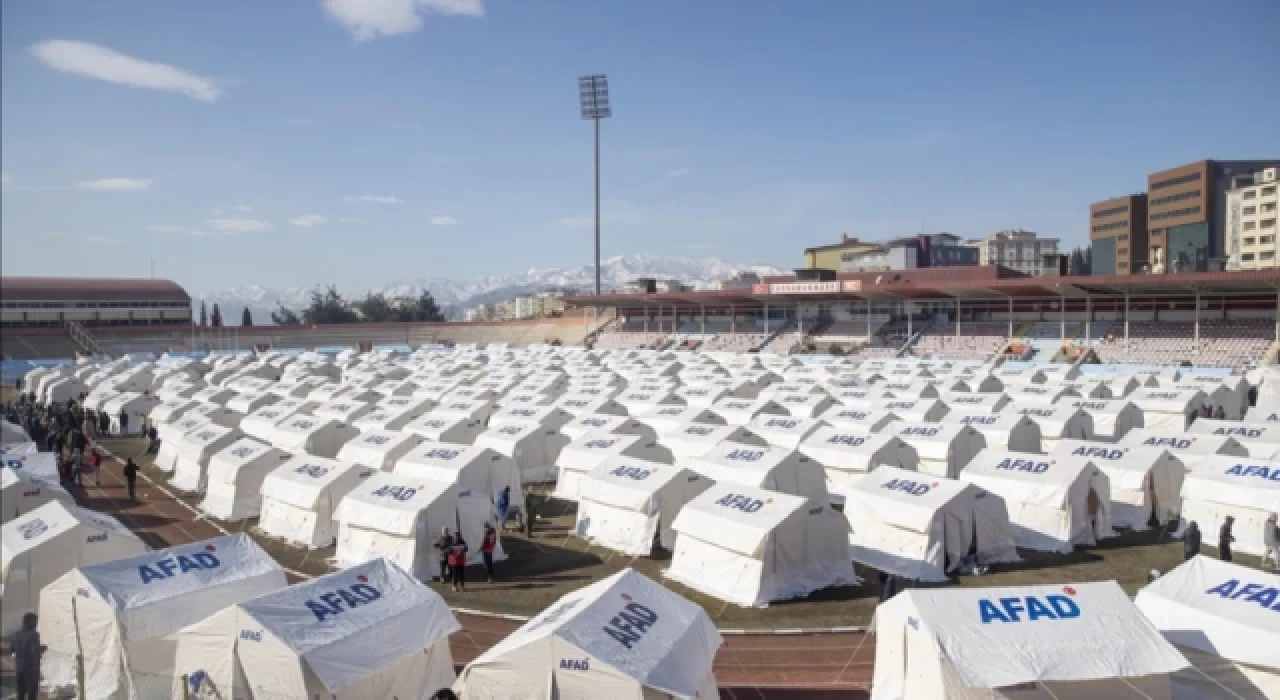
x: 487, y: 547
x: 458, y: 563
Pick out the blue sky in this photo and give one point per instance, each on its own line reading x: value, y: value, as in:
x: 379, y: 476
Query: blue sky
x: 292, y: 142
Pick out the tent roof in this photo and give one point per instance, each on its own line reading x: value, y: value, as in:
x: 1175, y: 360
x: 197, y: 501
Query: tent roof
x: 1240, y: 481
x: 39, y: 525
x: 990, y: 639
x: 906, y: 498
x: 391, y: 501
x: 1026, y: 478
x: 628, y: 482
x: 736, y: 517
x: 302, y: 480
x: 673, y: 655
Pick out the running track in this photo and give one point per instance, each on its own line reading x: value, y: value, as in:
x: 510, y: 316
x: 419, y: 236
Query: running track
x: 764, y: 667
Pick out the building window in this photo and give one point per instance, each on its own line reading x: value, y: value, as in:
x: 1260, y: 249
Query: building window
x: 1268, y: 191
x: 1249, y: 225
x: 1122, y: 251
x: 1179, y: 180
x: 1122, y: 266
x: 1110, y: 212
x: 1267, y: 239
x: 1267, y: 255
x: 1248, y: 211
x: 1122, y: 237
x: 1180, y: 197
x: 1249, y: 194
x: 1172, y: 214
x: 1111, y: 226
x: 1267, y: 223
x: 1247, y: 257
x: 1268, y: 207
x: 1248, y: 241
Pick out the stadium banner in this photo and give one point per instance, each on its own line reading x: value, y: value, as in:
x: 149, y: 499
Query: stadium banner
x: 759, y: 289
x: 805, y: 288
x: 851, y: 286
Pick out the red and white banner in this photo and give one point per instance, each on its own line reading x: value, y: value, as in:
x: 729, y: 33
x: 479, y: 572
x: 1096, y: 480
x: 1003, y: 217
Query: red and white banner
x: 806, y: 288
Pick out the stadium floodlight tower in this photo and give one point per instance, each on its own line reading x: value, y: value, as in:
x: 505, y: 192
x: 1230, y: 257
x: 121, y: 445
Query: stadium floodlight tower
x: 593, y: 96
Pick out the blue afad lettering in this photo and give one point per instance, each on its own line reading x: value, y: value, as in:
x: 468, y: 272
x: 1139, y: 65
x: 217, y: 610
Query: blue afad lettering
x: 1256, y: 470
x: 742, y: 503
x: 341, y: 600
x: 848, y: 440
x: 745, y: 455
x: 574, y: 665
x: 980, y: 420
x: 1268, y: 597
x: 1053, y: 607
x: 914, y: 488
x: 635, y: 473
x: 922, y: 432
x: 399, y: 493
x: 251, y: 635
x: 1099, y: 452
x: 178, y: 564
x: 631, y: 624
x: 1242, y: 432
x: 1167, y: 442
x: 1024, y: 465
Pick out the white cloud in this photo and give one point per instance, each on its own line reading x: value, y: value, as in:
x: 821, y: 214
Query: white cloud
x: 375, y: 198
x: 102, y: 63
x: 367, y: 19
x: 309, y: 220
x: 678, y: 172
x: 243, y: 207
x: 168, y: 228
x: 234, y: 226
x: 115, y: 184
x: 5, y: 179
x: 100, y: 239
x: 443, y: 221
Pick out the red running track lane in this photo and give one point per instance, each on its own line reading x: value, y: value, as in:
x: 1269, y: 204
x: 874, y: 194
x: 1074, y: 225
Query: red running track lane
x: 763, y: 667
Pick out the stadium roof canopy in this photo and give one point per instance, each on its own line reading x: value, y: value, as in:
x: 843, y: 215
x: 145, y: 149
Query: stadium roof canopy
x: 13, y: 289
x: 984, y: 283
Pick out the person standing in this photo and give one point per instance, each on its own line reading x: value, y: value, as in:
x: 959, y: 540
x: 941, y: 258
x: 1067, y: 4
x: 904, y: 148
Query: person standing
x: 1270, y: 543
x: 124, y: 422
x: 104, y: 423
x: 529, y: 514
x: 27, y: 651
x: 1191, y: 541
x: 95, y: 465
x: 458, y: 563
x: 443, y: 545
x: 487, y: 546
x: 1225, y: 538
x: 153, y: 439
x: 503, y: 506
x: 131, y: 478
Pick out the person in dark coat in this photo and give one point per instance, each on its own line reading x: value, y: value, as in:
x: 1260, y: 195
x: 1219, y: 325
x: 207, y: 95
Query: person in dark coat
x: 131, y: 478
x: 1225, y: 538
x: 104, y: 423
x: 124, y: 422
x: 487, y: 546
x: 1191, y: 541
x: 458, y: 563
x: 27, y: 651
x: 443, y: 545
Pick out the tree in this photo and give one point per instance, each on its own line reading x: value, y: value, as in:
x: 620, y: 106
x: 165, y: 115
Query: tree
x: 204, y: 315
x: 1087, y: 268
x: 426, y: 309
x: 215, y: 319
x: 246, y: 318
x: 328, y: 306
x: 285, y: 316
x: 376, y: 309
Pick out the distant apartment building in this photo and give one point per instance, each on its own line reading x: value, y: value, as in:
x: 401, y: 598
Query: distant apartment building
x: 829, y: 257
x: 521, y: 307
x: 925, y: 250
x: 1019, y: 250
x: 1118, y: 235
x: 743, y: 281
x: 1250, y: 228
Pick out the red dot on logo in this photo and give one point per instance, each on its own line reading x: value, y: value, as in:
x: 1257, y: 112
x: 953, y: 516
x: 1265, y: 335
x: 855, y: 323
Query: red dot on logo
x: 935, y: 484
x: 362, y: 578
x: 768, y: 500
x: 1068, y: 590
x: 210, y: 548
x: 626, y: 597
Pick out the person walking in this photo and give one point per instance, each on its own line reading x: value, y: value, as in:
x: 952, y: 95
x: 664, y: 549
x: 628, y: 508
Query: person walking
x: 104, y: 423
x: 503, y: 506
x: 1191, y: 541
x: 27, y: 651
x: 95, y: 465
x: 131, y: 477
x: 487, y: 546
x: 124, y: 422
x: 1270, y: 543
x: 458, y: 563
x: 443, y: 545
x: 153, y: 439
x: 1225, y: 538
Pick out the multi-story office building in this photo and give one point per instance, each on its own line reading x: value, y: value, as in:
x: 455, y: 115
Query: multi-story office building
x: 1019, y: 250
x: 828, y: 257
x: 1118, y: 235
x: 1250, y: 236
x: 925, y: 250
x: 1186, y: 209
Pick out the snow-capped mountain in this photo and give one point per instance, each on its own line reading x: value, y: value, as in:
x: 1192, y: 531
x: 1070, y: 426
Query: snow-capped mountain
x: 453, y: 295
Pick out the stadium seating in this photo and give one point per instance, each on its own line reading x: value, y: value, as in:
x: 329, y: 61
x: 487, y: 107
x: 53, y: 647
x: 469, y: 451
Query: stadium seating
x: 1223, y: 342
x: 887, y: 340
x: 976, y: 340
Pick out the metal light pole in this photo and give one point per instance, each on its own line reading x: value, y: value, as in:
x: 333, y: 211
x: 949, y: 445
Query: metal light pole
x: 593, y: 97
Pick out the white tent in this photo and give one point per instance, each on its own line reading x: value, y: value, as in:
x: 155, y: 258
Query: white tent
x: 773, y: 468
x: 943, y: 448
x: 847, y: 456
x: 11, y: 433
x: 22, y: 492
x: 1167, y: 409
x: 694, y: 440
x: 868, y: 420
x: 385, y: 418
x: 751, y: 546
x: 1190, y: 449
x: 593, y: 449
x: 262, y: 422
x: 534, y: 448
x: 1260, y: 439
x: 171, y: 438
x: 343, y: 410
x: 32, y: 464
x: 1112, y: 418
x: 233, y: 479
x: 1060, y: 422
x: 371, y: 631
x: 622, y: 637
x: 1002, y: 431
x: 628, y: 504
x: 133, y: 406
x: 1039, y: 394
x: 701, y: 395
x: 322, y: 437
x: 458, y: 430
x: 1217, y: 395
x: 379, y: 449
x: 804, y: 405
x: 548, y: 417
x: 1055, y: 503
x: 479, y: 472
x: 399, y: 516
x: 1145, y: 481
x: 301, y: 495
x: 247, y: 402
x: 214, y: 394
x: 194, y: 451
x: 474, y: 409
x: 921, y: 527
x: 914, y: 410
x: 784, y: 431
x: 605, y: 423
x: 1247, y: 489
x: 1216, y: 614
x: 1082, y: 640
x: 738, y: 411
x: 915, y: 389
x: 974, y: 403
x: 123, y: 613
x: 47, y: 542
x: 664, y: 419
x: 580, y: 403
